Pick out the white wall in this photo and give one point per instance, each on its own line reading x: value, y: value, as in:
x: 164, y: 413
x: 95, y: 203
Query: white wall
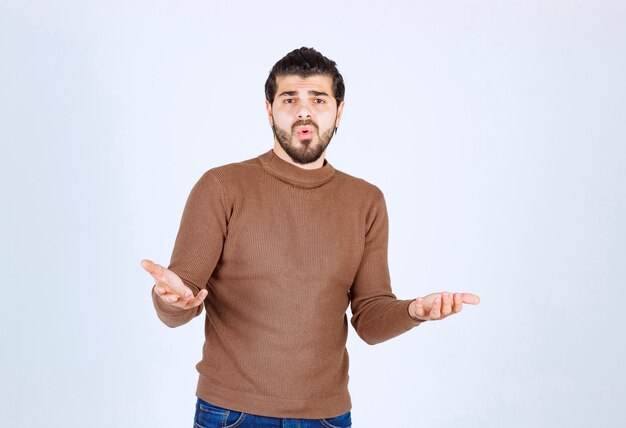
x: 496, y: 129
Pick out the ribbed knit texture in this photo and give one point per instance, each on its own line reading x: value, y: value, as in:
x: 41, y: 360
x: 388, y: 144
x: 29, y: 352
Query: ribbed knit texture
x: 282, y: 252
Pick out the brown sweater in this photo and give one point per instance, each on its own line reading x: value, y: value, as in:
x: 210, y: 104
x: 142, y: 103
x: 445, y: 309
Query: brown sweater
x: 282, y: 252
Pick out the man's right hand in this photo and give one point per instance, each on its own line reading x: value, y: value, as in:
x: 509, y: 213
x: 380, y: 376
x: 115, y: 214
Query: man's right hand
x: 170, y: 288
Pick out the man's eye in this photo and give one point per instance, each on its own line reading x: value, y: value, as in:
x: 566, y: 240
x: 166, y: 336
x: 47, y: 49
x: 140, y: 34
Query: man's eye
x: 288, y: 100
x: 321, y: 101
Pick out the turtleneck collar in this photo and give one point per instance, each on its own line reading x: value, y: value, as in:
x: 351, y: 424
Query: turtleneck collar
x: 307, y: 178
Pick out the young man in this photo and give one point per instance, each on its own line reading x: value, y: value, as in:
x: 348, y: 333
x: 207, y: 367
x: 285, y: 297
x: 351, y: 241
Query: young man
x: 275, y: 248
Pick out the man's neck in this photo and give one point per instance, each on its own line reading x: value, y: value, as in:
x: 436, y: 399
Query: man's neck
x: 284, y: 156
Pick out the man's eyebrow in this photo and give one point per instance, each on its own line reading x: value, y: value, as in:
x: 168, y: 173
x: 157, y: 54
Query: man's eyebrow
x: 292, y: 93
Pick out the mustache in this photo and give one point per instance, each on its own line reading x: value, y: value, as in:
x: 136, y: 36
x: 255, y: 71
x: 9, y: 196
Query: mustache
x: 304, y: 123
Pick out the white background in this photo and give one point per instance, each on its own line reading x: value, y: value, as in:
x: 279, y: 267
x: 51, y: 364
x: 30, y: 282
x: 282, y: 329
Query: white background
x: 496, y: 130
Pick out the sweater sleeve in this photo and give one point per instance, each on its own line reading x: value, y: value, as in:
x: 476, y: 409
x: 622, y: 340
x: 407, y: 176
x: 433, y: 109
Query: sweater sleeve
x: 377, y: 315
x: 198, y: 245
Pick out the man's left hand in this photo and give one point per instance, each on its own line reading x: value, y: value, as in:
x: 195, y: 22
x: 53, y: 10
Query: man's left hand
x: 437, y: 306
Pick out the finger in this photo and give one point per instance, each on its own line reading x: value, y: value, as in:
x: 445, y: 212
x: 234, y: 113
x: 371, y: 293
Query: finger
x: 196, y: 301
x: 419, y: 308
x: 160, y: 274
x: 172, y: 298
x: 163, y: 288
x: 169, y: 297
x: 470, y: 298
x: 168, y: 279
x: 446, y: 304
x: 181, y: 290
x: 435, y: 310
x: 458, y: 303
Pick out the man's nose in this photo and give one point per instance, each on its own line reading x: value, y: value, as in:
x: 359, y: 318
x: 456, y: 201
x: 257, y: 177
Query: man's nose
x: 304, y: 112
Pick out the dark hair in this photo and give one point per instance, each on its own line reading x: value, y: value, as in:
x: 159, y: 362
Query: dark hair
x: 305, y: 62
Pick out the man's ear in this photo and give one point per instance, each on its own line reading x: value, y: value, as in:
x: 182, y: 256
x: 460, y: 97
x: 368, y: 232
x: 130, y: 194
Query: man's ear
x: 339, y: 112
x: 268, y: 107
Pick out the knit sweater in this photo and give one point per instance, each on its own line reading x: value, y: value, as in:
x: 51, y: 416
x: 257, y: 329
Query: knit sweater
x: 283, y: 251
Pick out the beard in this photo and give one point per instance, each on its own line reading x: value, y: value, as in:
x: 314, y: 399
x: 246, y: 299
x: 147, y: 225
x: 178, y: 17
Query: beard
x: 306, y: 150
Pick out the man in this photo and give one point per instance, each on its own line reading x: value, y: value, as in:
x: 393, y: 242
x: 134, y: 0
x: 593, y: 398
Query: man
x: 275, y: 248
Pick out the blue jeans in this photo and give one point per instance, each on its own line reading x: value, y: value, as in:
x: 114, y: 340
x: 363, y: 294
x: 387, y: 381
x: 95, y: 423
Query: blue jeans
x: 211, y: 416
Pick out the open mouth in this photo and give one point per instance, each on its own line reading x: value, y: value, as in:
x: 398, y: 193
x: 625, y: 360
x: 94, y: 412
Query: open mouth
x: 304, y: 131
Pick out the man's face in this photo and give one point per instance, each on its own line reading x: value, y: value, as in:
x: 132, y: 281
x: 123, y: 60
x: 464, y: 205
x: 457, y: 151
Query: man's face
x: 304, y: 115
